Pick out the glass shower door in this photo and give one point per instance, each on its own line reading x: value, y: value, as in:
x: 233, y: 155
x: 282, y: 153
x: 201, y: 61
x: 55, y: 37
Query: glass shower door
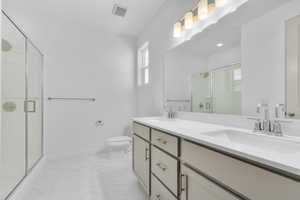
x: 227, y: 90
x: 13, y: 118
x: 201, y: 92
x: 34, y: 105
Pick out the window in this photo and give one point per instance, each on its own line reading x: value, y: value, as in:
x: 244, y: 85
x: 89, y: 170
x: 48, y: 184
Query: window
x: 237, y: 78
x: 143, y: 65
x: 237, y: 74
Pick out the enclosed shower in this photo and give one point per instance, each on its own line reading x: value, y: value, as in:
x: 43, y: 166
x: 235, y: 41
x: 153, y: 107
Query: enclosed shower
x: 21, y: 119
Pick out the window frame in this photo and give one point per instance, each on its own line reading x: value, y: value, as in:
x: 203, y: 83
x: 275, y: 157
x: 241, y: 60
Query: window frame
x: 143, y: 65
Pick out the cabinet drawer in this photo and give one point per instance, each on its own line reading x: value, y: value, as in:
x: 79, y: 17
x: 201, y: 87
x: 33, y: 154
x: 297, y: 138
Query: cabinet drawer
x: 142, y: 131
x: 251, y: 181
x: 159, y: 192
x: 165, y: 168
x: 166, y: 142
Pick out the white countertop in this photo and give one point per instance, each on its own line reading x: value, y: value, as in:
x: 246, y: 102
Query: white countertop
x: 282, y: 153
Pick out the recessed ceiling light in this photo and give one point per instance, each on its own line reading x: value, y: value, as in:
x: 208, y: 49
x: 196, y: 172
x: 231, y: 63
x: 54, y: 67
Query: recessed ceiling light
x: 220, y: 44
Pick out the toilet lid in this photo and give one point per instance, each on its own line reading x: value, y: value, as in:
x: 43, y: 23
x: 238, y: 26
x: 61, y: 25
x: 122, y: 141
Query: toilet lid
x: 119, y: 139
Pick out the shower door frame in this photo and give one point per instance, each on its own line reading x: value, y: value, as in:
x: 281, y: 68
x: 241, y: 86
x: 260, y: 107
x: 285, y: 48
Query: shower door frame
x: 27, y: 40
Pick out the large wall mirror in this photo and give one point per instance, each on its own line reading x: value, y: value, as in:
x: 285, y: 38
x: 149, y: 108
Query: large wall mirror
x: 247, y: 59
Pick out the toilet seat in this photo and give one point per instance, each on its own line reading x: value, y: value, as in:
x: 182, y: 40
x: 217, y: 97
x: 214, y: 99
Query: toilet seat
x: 114, y: 144
x: 119, y: 139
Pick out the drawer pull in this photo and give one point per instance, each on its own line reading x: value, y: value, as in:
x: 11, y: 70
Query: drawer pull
x: 156, y: 197
x: 184, y: 186
x: 161, y: 166
x: 162, y: 141
x: 146, y: 154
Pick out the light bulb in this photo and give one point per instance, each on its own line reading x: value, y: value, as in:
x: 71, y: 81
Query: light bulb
x: 177, y: 30
x: 188, y: 20
x: 220, y: 3
x: 202, y: 9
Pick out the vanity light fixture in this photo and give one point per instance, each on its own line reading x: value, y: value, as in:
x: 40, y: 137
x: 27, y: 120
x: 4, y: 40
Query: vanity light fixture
x: 202, y: 9
x: 220, y: 3
x: 177, y: 30
x: 188, y: 20
x: 194, y: 17
x: 220, y: 45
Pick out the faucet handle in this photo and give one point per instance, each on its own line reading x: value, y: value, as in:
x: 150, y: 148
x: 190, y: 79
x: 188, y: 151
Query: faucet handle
x: 258, y: 108
x: 257, y: 124
x: 279, y: 110
x: 277, y: 129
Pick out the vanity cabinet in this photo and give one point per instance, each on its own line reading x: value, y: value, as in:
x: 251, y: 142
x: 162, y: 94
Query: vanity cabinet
x: 195, y: 186
x: 186, y: 170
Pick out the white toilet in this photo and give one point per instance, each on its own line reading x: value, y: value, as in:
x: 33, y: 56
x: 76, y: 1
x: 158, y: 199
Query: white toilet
x: 118, y: 144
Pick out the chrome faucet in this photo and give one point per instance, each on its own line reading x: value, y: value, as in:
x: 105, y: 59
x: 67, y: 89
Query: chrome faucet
x: 279, y: 113
x: 266, y: 122
x: 171, y: 114
x: 277, y: 128
x: 265, y: 125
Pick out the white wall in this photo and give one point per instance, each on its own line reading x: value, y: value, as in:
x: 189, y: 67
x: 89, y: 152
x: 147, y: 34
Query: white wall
x: 88, y: 65
x: 263, y: 55
x: 82, y: 62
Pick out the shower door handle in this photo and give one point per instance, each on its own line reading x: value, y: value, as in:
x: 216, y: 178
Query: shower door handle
x: 27, y: 106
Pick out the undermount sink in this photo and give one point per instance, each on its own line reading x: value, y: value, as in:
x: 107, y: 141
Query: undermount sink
x: 256, y: 141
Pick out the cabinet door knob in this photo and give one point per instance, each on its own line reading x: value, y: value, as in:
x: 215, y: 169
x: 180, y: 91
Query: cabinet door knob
x: 161, y: 141
x: 161, y: 166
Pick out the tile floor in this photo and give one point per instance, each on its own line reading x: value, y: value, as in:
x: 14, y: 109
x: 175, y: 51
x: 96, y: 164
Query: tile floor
x: 93, y: 177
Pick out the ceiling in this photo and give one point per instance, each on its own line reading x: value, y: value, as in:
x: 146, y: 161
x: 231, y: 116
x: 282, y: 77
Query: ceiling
x: 228, y: 29
x: 90, y: 13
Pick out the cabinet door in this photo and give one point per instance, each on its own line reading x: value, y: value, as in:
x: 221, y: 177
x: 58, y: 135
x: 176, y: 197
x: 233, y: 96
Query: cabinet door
x: 196, y: 187
x: 141, y: 164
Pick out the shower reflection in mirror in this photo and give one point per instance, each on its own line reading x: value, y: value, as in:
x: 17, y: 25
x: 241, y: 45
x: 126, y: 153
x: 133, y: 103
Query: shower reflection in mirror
x: 217, y: 91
